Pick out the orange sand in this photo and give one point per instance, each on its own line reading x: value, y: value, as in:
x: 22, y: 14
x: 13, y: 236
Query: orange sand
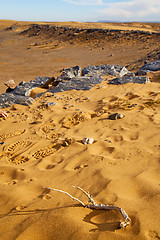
x: 121, y: 167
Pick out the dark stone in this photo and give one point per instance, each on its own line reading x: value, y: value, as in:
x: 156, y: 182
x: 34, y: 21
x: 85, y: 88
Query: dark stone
x: 149, y: 67
x: 129, y: 79
x: 69, y: 73
x: 7, y: 99
x: 152, y: 66
x: 24, y: 88
x: 115, y: 116
x: 142, y: 72
x: 77, y: 83
x: 104, y: 70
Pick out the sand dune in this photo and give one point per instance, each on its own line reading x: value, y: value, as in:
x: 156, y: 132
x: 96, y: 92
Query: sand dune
x: 42, y: 146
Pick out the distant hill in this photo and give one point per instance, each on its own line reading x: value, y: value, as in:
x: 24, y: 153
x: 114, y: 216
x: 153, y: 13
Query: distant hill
x: 110, y: 21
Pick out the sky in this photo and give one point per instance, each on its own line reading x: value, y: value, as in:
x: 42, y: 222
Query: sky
x: 80, y: 10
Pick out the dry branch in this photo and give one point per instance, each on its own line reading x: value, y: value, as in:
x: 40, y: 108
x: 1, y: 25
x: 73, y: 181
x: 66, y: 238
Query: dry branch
x: 93, y: 205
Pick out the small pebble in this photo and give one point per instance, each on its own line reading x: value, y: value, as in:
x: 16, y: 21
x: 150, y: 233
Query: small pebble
x: 87, y: 141
x: 116, y: 116
x: 133, y: 105
x: 106, y: 140
x: 51, y: 104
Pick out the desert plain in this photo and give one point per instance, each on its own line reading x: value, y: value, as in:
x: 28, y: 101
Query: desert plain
x: 41, y: 145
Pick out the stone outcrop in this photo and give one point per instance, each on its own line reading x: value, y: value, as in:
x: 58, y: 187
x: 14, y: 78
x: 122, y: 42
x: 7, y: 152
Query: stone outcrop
x: 149, y: 67
x: 63, y: 34
x: 24, y: 88
x: 105, y: 70
x: 20, y: 94
x: 129, y: 79
x: 78, y: 83
x: 72, y: 78
x: 7, y: 99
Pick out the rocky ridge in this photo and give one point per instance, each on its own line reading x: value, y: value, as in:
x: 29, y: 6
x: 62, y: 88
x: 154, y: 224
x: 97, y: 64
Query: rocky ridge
x: 70, y: 33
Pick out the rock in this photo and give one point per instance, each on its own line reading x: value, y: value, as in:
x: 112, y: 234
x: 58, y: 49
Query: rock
x: 77, y: 83
x: 142, y: 72
x: 116, y: 116
x: 103, y: 70
x: 24, y: 88
x: 152, y: 66
x: 8, y: 99
x: 149, y: 67
x: 87, y: 141
x: 10, y: 83
x: 69, y: 73
x: 51, y: 104
x: 129, y: 79
x: 90, y: 140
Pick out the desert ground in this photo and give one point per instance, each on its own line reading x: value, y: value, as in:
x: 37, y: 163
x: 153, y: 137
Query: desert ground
x: 41, y: 146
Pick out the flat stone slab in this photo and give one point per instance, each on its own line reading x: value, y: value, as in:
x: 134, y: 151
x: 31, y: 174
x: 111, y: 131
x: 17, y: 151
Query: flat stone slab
x: 77, y: 83
x: 103, y: 70
x: 129, y: 79
x: 149, y: 67
x: 24, y: 88
x: 7, y: 99
x: 152, y: 66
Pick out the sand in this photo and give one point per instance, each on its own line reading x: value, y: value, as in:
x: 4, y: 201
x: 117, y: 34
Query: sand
x: 42, y: 147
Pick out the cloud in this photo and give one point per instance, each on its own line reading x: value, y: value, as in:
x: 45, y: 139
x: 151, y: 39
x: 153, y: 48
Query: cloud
x: 123, y: 10
x: 85, y: 2
x: 133, y: 9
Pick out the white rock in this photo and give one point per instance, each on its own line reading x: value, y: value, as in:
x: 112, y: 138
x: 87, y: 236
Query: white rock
x: 87, y: 141
x: 90, y: 140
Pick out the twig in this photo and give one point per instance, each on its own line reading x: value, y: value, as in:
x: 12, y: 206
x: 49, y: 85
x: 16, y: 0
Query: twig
x: 94, y: 205
x: 54, y: 189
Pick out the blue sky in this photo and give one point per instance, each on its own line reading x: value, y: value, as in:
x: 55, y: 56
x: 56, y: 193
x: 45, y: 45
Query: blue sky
x: 80, y: 10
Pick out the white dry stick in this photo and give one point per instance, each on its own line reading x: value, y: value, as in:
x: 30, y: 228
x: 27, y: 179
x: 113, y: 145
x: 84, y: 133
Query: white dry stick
x: 94, y: 205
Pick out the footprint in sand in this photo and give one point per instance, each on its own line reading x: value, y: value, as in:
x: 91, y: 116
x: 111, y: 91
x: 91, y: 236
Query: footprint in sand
x: 46, y: 151
x: 134, y: 136
x: 154, y: 94
x: 14, y: 151
x: 17, y: 146
x: 131, y: 96
x: 101, y: 149
x: 117, y: 138
x: 122, y: 104
x: 13, y: 134
x: 47, y: 128
x: 112, y: 99
x: 48, y: 132
x: 74, y: 120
